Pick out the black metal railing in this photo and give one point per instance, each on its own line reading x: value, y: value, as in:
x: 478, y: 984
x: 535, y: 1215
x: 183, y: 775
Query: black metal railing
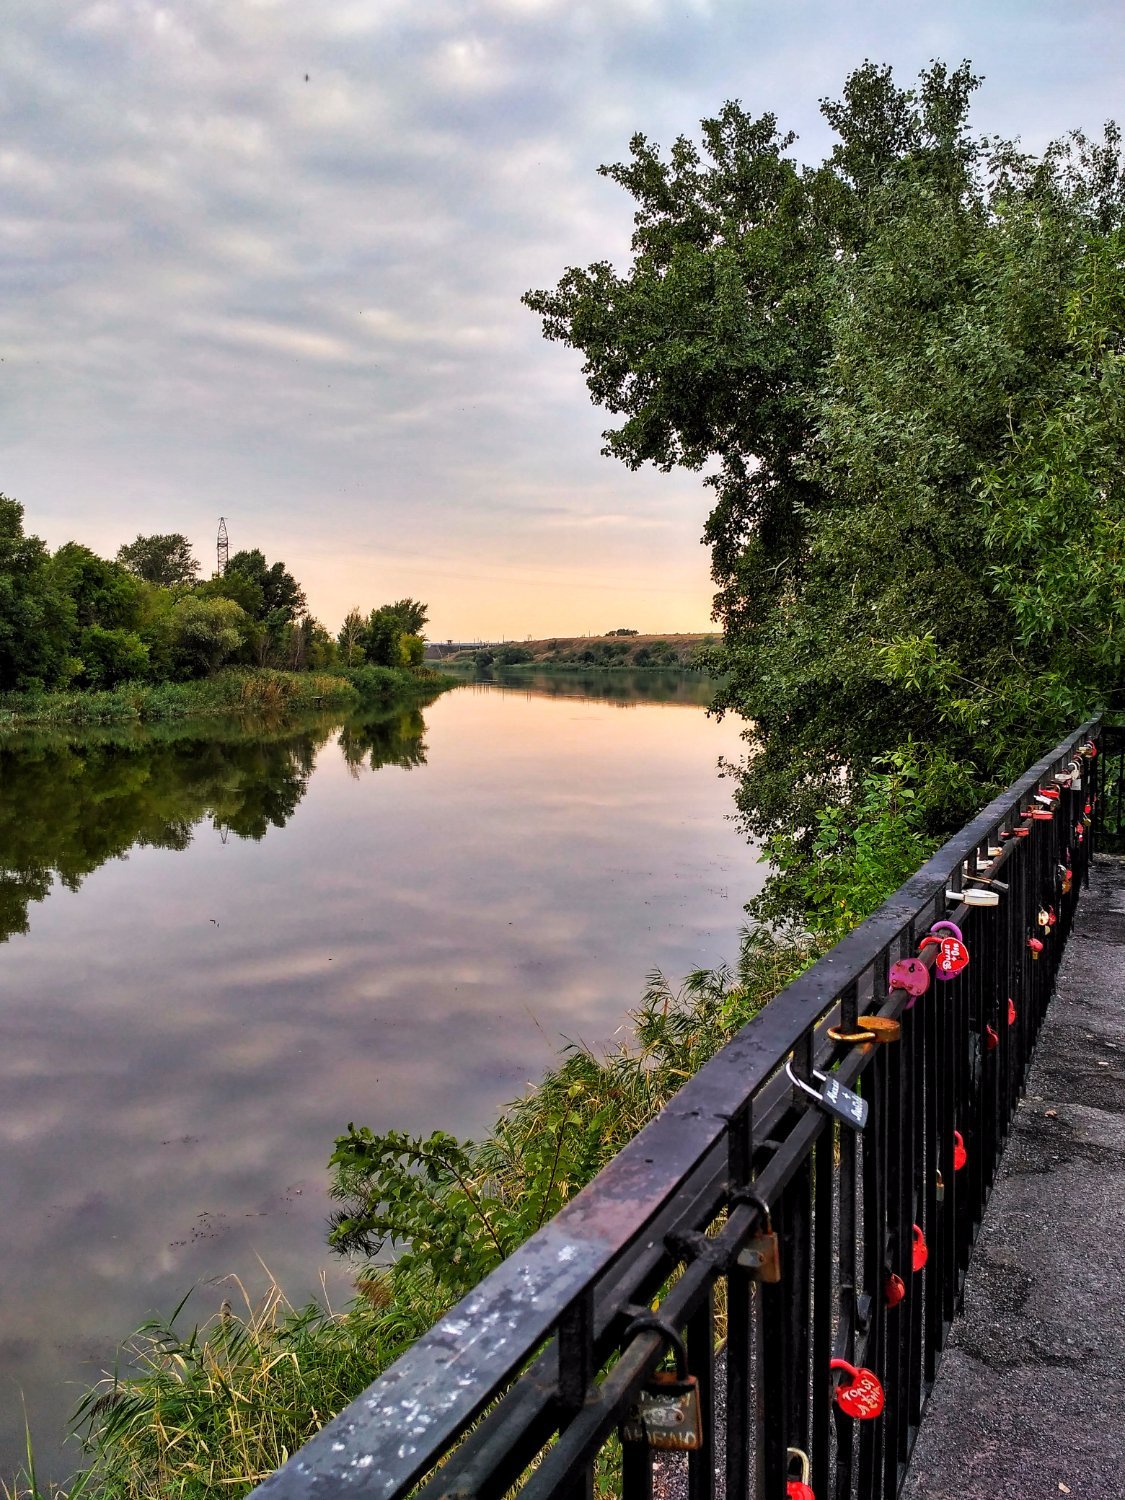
x: 526, y: 1383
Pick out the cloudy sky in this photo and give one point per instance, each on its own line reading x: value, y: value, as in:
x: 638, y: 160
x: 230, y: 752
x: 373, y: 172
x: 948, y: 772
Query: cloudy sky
x: 263, y: 258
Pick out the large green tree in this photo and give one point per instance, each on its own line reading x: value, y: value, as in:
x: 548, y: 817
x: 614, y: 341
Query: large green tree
x: 166, y: 560
x: 899, y: 372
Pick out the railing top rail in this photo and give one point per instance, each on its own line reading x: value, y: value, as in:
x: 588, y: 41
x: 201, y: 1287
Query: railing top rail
x: 389, y: 1436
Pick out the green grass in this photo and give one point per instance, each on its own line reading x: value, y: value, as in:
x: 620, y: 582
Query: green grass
x: 246, y: 690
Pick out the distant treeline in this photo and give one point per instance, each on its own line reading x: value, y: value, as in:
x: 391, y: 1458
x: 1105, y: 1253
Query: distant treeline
x: 71, y: 620
x: 620, y: 648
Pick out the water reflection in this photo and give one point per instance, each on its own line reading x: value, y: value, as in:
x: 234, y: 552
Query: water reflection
x: 69, y: 803
x: 623, y: 687
x: 315, y: 923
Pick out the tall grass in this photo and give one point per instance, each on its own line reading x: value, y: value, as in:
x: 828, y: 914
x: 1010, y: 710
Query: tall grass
x: 235, y: 692
x: 208, y: 1411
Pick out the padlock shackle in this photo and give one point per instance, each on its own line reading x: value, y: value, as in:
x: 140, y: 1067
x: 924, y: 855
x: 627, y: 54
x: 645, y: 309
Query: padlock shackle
x: 800, y: 1082
x: 798, y: 1455
x: 653, y: 1323
x: 950, y: 927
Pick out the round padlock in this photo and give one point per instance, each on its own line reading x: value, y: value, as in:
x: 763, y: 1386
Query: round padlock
x: 894, y: 1289
x: 1011, y: 1011
x: 919, y: 1250
x: 911, y: 975
x: 1035, y: 946
x: 860, y: 1393
x: 960, y: 1155
x: 991, y: 1038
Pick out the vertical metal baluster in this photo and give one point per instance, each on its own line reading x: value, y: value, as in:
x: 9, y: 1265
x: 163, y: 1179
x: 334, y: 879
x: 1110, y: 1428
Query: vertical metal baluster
x: 845, y: 1458
x: 738, y: 1350
x: 824, y: 1171
x: 896, y: 1322
x: 775, y: 1359
x: 636, y: 1471
x: 917, y: 1173
x: 874, y: 1255
x: 701, y: 1362
x: 576, y: 1371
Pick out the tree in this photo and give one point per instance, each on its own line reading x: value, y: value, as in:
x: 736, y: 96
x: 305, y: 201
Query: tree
x: 205, y: 634
x: 878, y: 359
x: 412, y: 615
x: 165, y: 560
x: 350, y: 638
x: 36, y: 616
x: 282, y: 596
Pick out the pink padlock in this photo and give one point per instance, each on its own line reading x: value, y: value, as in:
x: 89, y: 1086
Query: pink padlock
x: 911, y: 975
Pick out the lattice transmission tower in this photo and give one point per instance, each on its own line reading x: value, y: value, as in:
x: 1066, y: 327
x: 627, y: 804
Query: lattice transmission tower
x: 223, y: 548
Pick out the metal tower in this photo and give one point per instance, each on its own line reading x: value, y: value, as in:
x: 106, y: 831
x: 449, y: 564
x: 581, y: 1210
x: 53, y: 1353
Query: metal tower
x: 223, y: 547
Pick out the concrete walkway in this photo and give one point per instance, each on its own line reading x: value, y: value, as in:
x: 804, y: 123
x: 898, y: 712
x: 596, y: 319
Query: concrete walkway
x: 1030, y: 1396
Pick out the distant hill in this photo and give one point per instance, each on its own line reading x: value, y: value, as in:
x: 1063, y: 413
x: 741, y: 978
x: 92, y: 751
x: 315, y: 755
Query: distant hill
x: 670, y: 650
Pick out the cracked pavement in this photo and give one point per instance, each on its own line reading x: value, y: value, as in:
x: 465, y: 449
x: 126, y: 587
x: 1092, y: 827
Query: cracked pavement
x: 1030, y: 1396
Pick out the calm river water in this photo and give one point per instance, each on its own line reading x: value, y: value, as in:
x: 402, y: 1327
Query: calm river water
x: 224, y: 944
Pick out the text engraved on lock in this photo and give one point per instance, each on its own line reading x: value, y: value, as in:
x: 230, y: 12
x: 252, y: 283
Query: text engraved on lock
x: 843, y: 1102
x: 666, y: 1414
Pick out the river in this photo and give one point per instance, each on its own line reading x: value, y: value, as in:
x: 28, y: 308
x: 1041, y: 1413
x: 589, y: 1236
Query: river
x: 223, y: 943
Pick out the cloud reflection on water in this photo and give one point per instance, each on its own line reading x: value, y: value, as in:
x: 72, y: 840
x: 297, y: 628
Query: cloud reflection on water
x: 406, y: 949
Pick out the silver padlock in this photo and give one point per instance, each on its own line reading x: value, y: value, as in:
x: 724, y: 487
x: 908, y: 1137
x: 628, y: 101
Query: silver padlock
x: 833, y: 1097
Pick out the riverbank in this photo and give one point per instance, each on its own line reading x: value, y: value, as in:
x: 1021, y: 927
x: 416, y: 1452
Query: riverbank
x: 237, y: 691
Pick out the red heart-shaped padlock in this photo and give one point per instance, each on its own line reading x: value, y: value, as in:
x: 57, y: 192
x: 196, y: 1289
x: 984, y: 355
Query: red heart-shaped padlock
x: 1036, y: 947
x: 1011, y: 1011
x: 894, y: 1289
x: 960, y: 1155
x: 920, y: 1252
x: 862, y: 1396
x: 991, y: 1038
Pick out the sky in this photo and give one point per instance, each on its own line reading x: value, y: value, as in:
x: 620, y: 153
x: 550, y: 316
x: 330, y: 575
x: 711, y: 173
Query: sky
x: 263, y: 259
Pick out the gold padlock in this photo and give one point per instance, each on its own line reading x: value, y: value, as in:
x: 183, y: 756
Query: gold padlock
x: 667, y: 1413
x: 761, y: 1255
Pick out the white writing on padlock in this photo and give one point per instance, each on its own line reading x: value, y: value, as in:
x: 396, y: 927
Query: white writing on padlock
x: 833, y: 1097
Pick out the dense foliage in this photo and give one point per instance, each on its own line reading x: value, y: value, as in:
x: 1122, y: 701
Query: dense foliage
x: 901, y: 371
x: 75, y: 621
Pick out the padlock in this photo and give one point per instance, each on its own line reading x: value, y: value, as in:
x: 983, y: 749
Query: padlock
x: 911, y: 975
x: 919, y: 1250
x: 894, y: 1289
x: 1067, y: 880
x: 1044, y: 919
x: 960, y: 1155
x: 1011, y: 1011
x: 833, y: 1097
x: 799, y: 1489
x: 667, y: 1413
x: 1052, y: 916
x: 939, y: 1188
x: 1036, y: 946
x: 862, y: 1396
x: 991, y: 1038
x: 761, y: 1255
x: 952, y: 955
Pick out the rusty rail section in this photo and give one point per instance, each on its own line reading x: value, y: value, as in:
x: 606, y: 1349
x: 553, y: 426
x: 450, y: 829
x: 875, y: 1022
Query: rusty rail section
x: 526, y: 1384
